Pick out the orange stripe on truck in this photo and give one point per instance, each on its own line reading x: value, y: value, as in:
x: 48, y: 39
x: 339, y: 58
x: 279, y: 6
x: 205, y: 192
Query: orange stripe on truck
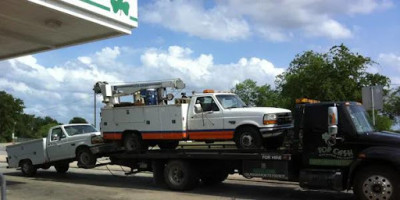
x: 211, y: 135
x: 112, y: 136
x: 164, y: 136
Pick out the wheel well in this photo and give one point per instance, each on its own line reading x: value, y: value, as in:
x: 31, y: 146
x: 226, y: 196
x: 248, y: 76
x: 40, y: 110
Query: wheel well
x: 127, y: 132
x: 242, y: 127
x: 21, y: 161
x: 79, y: 148
x: 365, y: 164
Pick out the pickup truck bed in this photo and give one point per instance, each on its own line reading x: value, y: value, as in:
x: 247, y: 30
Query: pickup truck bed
x: 33, y: 150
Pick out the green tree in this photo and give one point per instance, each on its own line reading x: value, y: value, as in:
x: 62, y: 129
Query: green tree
x: 337, y: 75
x: 255, y: 95
x: 43, y: 130
x: 78, y: 120
x: 392, y: 104
x: 10, y: 110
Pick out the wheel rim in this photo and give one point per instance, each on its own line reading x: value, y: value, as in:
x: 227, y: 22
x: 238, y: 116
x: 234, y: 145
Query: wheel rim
x: 85, y: 158
x: 131, y: 144
x: 26, y: 167
x: 176, y: 176
x: 377, y: 188
x: 246, y: 140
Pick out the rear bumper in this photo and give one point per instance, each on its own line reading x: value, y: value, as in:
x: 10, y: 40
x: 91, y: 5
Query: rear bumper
x: 274, y: 131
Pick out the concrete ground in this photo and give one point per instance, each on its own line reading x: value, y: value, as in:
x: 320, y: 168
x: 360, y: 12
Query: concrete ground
x: 111, y: 184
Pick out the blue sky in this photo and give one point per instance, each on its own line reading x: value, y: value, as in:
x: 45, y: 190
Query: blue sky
x: 209, y: 44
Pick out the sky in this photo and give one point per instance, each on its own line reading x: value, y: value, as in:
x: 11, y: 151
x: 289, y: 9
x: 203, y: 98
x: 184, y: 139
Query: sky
x: 209, y: 45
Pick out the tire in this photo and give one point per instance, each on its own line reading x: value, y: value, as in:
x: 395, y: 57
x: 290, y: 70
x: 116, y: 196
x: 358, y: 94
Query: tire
x: 86, y: 159
x: 158, y: 173
x: 180, y: 176
x: 61, y: 167
x: 214, y: 178
x: 133, y: 143
x: 248, y: 138
x: 27, y: 168
x: 377, y: 183
x: 168, y: 145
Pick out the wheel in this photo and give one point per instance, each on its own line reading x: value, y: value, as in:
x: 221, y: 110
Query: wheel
x: 377, y: 183
x: 45, y: 166
x: 168, y: 144
x: 27, y: 168
x: 179, y: 175
x: 214, y: 178
x: 133, y: 143
x: 248, y: 138
x: 86, y: 159
x: 158, y: 173
x: 61, y: 167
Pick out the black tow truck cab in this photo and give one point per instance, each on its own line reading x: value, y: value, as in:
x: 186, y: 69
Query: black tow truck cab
x: 332, y: 146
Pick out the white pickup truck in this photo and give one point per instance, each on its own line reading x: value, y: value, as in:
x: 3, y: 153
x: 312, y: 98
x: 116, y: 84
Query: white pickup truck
x: 206, y: 116
x: 64, y: 144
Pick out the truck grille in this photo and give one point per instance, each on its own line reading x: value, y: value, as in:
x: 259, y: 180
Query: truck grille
x: 284, y: 118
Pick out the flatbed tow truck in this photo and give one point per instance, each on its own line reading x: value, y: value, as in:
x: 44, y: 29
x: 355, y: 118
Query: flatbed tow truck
x: 333, y: 146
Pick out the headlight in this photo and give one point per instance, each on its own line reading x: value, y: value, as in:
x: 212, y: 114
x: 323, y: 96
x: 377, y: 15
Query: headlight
x: 97, y: 139
x: 270, y: 119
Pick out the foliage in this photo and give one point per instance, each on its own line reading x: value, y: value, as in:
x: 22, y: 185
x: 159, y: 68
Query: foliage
x: 383, y: 123
x: 43, y: 130
x: 337, y: 75
x: 12, y: 119
x: 392, y: 104
x: 10, y: 109
x: 78, y: 120
x: 254, y: 95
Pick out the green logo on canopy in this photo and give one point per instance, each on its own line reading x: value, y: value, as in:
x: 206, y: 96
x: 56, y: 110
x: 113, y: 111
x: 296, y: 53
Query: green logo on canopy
x: 120, y: 5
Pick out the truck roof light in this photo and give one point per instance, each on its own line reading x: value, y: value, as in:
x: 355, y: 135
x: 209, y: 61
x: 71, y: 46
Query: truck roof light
x: 305, y: 100
x: 208, y: 91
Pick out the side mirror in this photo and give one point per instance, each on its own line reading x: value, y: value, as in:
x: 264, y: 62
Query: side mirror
x: 332, y: 116
x: 54, y: 137
x: 198, y: 108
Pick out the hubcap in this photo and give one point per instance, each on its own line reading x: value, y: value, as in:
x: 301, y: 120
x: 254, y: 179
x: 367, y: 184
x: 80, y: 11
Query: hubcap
x: 131, y: 144
x: 26, y: 167
x: 246, y: 140
x: 85, y: 158
x: 176, y: 175
x: 377, y: 188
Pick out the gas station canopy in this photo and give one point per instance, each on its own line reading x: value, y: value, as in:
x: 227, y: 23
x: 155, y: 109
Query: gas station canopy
x: 30, y: 26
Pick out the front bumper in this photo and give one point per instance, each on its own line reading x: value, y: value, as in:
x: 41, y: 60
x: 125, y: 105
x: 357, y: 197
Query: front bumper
x: 104, y: 148
x: 274, y: 131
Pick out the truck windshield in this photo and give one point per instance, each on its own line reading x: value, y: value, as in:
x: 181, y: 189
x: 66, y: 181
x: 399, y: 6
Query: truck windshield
x: 79, y: 129
x: 230, y: 101
x: 360, y: 119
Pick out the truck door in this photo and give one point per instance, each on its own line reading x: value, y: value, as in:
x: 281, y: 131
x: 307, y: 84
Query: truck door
x: 57, y: 145
x: 320, y: 147
x: 208, y: 124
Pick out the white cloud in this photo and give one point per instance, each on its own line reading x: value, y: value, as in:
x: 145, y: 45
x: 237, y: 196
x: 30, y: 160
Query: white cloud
x: 272, y: 20
x: 390, y: 66
x: 192, y: 18
x: 65, y: 90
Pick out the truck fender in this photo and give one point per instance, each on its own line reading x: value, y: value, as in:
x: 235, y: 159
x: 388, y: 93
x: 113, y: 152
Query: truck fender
x: 378, y: 155
x: 247, y: 122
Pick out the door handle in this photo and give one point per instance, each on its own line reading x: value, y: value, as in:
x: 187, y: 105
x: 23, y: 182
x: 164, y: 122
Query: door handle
x: 73, y: 144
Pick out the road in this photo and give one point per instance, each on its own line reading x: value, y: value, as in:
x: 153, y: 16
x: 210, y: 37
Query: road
x: 101, y: 184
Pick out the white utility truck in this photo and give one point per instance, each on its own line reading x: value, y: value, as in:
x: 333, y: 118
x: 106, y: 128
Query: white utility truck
x: 64, y: 144
x: 148, y: 121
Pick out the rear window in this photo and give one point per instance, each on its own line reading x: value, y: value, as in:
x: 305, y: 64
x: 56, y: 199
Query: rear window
x: 79, y: 129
